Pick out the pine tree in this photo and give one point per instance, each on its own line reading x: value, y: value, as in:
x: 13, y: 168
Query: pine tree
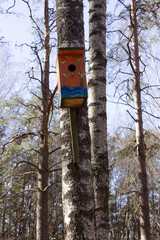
x: 143, y: 191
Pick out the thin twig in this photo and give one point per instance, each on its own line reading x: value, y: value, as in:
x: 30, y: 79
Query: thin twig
x: 11, y: 6
x: 16, y: 138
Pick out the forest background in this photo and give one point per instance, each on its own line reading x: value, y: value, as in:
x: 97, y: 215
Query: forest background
x: 19, y: 107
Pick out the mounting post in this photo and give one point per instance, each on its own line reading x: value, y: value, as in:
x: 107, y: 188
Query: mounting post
x: 74, y: 135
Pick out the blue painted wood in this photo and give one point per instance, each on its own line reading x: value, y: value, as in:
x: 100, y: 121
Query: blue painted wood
x: 74, y: 92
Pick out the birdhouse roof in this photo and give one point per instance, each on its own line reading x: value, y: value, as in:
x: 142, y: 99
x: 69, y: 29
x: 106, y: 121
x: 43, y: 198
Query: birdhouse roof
x: 72, y: 51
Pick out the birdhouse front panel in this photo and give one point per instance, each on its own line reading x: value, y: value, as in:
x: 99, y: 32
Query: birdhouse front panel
x: 72, y: 88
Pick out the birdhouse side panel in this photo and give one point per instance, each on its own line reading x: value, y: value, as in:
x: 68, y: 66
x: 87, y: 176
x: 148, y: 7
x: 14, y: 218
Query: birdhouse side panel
x: 58, y: 77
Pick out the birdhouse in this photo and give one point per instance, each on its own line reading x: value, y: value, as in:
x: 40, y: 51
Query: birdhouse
x: 72, y: 88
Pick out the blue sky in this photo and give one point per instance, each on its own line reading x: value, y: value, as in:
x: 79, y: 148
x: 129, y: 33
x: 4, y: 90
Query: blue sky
x: 17, y: 29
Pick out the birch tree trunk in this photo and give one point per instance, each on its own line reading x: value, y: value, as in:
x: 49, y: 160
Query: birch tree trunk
x: 77, y: 185
x: 42, y: 194
x: 144, y: 215
x: 97, y: 113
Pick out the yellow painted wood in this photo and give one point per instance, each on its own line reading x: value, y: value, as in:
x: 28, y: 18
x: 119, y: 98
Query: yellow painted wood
x: 72, y: 103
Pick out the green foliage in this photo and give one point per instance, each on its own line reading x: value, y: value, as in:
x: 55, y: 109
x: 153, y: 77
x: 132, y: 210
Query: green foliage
x: 20, y: 118
x: 124, y: 186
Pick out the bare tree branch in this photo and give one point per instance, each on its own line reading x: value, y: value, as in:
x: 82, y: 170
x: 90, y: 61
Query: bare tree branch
x: 26, y: 173
x: 54, y: 150
x: 31, y: 16
x: 54, y: 165
x: 123, y: 4
x: 14, y: 3
x: 16, y: 138
x: 56, y: 170
x: 131, y: 115
x: 46, y: 188
x: 29, y: 163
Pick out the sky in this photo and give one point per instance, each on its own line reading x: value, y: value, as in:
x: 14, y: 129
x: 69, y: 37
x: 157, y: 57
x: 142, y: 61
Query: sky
x: 17, y: 29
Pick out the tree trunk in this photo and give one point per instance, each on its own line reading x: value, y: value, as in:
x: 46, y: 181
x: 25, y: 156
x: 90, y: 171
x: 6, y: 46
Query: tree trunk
x: 22, y: 215
x: 97, y: 113
x: 3, y: 221
x: 42, y: 194
x: 77, y: 186
x: 144, y: 215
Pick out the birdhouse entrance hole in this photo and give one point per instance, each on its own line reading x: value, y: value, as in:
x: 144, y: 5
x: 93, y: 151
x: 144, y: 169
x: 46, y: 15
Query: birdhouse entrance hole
x: 72, y: 68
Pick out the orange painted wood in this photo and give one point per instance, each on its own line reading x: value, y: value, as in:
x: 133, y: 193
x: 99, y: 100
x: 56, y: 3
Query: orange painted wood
x: 68, y: 78
x: 71, y: 51
x: 71, y: 74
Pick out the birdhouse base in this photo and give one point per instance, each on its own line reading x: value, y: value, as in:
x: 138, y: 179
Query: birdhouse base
x: 71, y: 102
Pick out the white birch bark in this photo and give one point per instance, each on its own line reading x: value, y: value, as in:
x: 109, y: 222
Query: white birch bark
x: 97, y: 112
x: 77, y: 186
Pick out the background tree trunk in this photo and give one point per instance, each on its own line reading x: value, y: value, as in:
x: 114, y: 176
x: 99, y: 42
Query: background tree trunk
x: 144, y: 215
x: 3, y: 221
x: 77, y: 186
x: 42, y: 194
x: 97, y: 113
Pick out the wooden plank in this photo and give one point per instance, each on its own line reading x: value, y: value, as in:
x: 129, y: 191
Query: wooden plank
x: 74, y: 135
x: 64, y: 51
